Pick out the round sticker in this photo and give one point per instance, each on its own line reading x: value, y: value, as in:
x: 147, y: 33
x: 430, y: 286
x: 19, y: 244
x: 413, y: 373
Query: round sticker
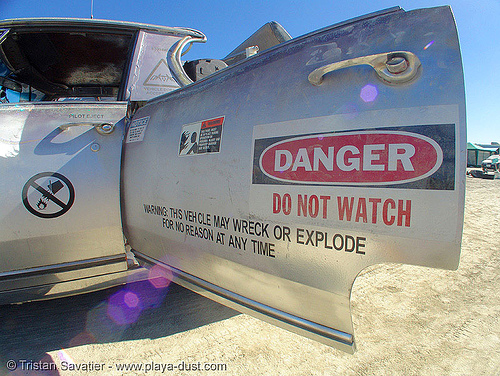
x: 48, y: 195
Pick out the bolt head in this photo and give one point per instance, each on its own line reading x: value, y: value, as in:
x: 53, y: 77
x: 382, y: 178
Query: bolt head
x: 95, y: 147
x: 397, y: 65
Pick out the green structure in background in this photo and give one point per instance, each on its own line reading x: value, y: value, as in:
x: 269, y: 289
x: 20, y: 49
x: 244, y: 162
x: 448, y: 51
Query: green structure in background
x: 476, y: 153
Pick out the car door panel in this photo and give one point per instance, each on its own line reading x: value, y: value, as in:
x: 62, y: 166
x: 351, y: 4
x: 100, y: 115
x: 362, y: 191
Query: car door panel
x: 61, y: 208
x: 270, y: 189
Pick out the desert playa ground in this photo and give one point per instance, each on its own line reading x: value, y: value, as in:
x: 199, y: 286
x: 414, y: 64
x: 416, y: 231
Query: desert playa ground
x: 408, y: 321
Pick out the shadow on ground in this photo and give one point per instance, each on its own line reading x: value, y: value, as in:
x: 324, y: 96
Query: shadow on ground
x: 135, y: 311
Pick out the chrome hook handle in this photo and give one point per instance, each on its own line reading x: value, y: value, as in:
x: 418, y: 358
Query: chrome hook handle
x: 101, y: 128
x: 392, y: 67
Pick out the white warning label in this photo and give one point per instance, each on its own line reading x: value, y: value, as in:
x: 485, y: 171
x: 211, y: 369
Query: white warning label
x: 201, y: 137
x: 137, y: 130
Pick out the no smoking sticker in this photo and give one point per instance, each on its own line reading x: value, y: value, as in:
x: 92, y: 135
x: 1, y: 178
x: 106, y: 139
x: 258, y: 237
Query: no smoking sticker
x: 48, y: 195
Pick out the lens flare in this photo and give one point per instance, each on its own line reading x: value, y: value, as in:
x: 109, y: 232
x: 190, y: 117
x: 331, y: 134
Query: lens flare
x: 131, y: 299
x: 64, y: 357
x: 160, y: 277
x: 83, y: 338
x: 101, y: 326
x: 349, y: 111
x: 121, y: 307
x: 368, y: 93
x: 428, y: 45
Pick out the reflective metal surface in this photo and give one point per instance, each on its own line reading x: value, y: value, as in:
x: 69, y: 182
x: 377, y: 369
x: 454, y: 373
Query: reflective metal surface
x: 85, y: 22
x: 267, y: 36
x: 174, y: 59
x: 261, y: 190
x: 155, y: 70
x: 60, y: 223
x: 393, y: 67
x: 60, y: 203
x: 101, y: 128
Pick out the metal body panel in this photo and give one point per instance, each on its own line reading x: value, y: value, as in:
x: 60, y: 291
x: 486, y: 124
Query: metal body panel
x: 124, y: 60
x: 96, y: 23
x: 389, y: 171
x: 44, y: 223
x: 149, y: 74
x: 52, y: 286
x: 60, y: 220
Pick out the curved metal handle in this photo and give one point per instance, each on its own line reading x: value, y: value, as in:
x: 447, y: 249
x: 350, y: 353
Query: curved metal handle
x: 174, y: 59
x: 101, y: 128
x: 393, y: 67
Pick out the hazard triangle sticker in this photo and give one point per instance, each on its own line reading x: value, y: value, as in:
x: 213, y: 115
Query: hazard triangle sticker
x: 160, y: 76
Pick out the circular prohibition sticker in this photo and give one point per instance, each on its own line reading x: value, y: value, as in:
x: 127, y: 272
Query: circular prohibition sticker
x: 48, y: 195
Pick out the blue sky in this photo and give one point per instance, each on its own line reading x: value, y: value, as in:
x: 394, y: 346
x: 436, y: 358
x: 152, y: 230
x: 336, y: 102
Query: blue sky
x: 227, y: 23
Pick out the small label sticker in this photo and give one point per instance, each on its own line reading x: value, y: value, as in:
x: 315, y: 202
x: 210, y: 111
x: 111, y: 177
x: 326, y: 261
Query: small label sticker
x: 137, y: 130
x: 160, y: 76
x: 48, y: 195
x: 201, y: 137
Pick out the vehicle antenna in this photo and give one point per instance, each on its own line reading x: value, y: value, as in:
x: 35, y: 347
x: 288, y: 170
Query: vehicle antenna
x: 91, y: 9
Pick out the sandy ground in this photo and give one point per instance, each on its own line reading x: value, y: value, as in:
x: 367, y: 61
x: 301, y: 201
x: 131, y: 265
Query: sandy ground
x: 408, y: 321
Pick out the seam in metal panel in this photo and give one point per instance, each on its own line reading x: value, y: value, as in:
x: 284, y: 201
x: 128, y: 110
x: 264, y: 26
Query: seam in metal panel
x: 290, y: 319
x: 66, y: 267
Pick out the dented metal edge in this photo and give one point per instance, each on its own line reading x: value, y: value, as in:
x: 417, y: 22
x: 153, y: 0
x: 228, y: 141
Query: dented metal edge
x: 344, y: 340
x: 363, y: 17
x: 85, y: 22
